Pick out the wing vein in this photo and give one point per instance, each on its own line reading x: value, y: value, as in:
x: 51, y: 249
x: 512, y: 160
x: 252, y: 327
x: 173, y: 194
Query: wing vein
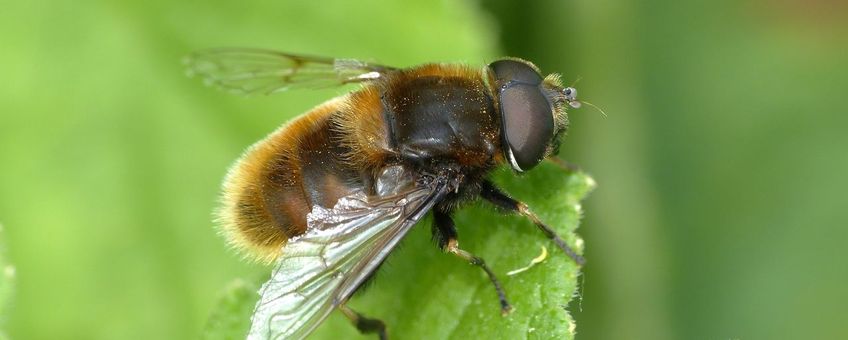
x: 252, y: 71
x: 342, y: 246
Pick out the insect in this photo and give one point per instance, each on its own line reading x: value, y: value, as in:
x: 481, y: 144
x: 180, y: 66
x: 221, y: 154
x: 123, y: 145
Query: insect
x: 330, y: 194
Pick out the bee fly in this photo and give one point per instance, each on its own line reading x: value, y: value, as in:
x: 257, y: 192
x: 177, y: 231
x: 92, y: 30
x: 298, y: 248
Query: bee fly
x: 329, y: 195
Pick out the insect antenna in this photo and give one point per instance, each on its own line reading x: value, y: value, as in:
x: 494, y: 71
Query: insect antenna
x: 576, y: 80
x: 596, y: 108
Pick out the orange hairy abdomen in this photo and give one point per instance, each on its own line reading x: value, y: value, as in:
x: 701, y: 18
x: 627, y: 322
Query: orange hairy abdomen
x: 315, y: 159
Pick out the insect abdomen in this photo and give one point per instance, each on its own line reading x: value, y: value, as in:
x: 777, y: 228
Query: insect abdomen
x: 271, y: 189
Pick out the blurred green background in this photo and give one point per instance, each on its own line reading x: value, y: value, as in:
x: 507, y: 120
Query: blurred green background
x: 720, y: 212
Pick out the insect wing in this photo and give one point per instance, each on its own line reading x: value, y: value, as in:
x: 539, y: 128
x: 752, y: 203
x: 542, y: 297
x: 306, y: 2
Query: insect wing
x: 258, y: 71
x: 342, y: 246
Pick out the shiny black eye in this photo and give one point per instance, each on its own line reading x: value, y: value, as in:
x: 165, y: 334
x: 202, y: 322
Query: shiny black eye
x: 515, y: 71
x: 526, y: 113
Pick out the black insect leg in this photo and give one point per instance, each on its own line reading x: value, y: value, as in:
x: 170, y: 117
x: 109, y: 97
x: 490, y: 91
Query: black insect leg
x: 363, y: 324
x: 497, y: 197
x: 444, y: 232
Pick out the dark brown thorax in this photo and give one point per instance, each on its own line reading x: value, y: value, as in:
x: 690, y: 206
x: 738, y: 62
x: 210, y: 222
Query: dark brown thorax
x: 440, y: 113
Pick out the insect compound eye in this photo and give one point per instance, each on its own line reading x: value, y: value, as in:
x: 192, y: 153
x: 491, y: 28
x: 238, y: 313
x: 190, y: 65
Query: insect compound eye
x: 507, y: 71
x: 526, y: 113
x: 528, y: 125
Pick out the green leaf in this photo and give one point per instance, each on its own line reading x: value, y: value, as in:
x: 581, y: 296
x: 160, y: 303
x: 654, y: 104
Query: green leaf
x: 7, y: 283
x: 422, y: 293
x: 231, y: 317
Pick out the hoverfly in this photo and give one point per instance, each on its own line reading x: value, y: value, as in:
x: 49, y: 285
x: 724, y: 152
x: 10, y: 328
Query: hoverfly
x: 330, y: 194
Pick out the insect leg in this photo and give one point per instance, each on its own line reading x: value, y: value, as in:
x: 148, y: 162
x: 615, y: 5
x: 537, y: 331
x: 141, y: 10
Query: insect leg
x: 497, y: 197
x: 444, y: 232
x: 363, y: 324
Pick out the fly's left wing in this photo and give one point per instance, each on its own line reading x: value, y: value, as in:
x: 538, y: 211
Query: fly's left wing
x: 258, y: 71
x: 342, y: 246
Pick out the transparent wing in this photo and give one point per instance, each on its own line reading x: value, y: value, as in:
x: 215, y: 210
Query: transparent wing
x: 259, y: 71
x: 342, y: 246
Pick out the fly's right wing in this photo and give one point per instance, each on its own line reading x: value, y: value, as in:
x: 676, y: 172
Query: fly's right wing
x: 341, y: 248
